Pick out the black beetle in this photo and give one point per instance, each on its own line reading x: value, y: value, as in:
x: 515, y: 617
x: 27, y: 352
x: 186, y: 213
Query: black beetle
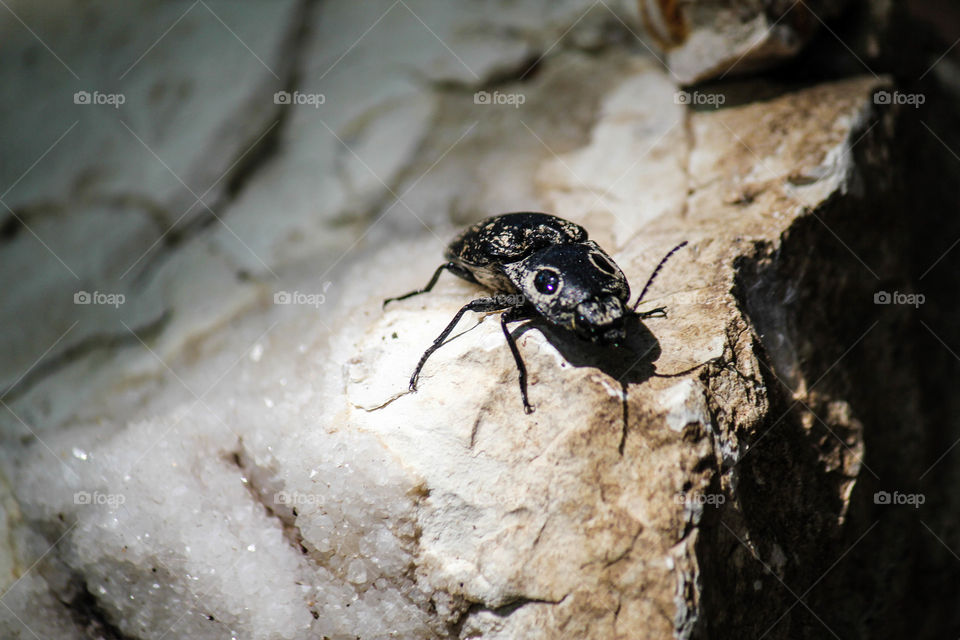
x: 539, y: 264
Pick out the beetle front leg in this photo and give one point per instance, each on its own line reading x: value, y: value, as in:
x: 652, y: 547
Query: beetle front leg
x: 480, y: 304
x: 508, y: 316
x: 449, y: 266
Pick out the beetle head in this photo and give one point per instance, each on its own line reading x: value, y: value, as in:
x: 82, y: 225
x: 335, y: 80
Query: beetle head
x: 601, y: 320
x: 577, y: 287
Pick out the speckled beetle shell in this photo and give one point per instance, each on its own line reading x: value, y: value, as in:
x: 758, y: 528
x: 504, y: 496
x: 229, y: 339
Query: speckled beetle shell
x: 567, y: 278
x: 493, y: 242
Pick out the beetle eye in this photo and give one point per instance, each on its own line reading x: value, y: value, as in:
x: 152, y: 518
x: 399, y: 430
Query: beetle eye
x: 601, y: 262
x: 546, y: 282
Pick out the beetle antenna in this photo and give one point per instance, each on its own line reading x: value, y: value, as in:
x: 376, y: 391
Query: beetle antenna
x: 656, y: 271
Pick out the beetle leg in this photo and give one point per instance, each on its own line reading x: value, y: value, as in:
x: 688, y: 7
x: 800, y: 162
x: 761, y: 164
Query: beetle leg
x: 659, y: 312
x: 449, y: 266
x: 480, y: 304
x: 505, y: 317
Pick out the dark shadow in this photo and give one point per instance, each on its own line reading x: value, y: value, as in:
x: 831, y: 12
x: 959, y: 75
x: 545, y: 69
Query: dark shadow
x: 629, y: 363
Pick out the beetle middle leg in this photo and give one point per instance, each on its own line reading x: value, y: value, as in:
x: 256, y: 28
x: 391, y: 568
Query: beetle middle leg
x: 480, y: 304
x: 510, y: 315
x: 452, y: 267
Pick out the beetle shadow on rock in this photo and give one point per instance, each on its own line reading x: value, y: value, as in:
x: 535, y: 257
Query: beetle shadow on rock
x: 629, y: 363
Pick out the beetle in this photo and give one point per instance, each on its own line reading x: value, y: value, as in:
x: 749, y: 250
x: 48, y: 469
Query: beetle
x: 538, y: 264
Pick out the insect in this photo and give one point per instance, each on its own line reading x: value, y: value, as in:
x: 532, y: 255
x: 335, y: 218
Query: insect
x: 538, y: 264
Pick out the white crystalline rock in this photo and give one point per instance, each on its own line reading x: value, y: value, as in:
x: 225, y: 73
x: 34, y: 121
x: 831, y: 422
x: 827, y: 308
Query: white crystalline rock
x: 646, y: 163
x: 685, y: 404
x: 121, y: 233
x: 338, y: 159
x: 164, y: 502
x: 194, y: 117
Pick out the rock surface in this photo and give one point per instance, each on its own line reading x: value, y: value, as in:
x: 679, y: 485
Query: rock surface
x: 232, y: 451
x: 705, y: 40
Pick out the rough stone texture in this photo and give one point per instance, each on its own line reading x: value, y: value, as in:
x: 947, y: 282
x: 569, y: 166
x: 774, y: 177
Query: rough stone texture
x: 132, y: 179
x: 704, y: 40
x: 206, y: 462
